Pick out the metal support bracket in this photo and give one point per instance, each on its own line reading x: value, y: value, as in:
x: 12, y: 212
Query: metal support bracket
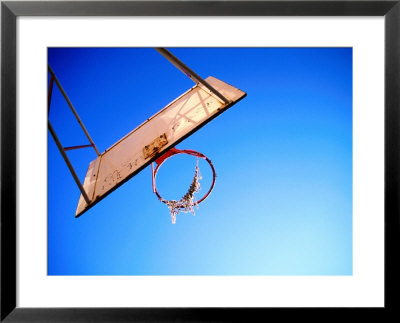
x: 191, y: 74
x: 67, y: 161
x: 62, y: 149
x: 72, y: 109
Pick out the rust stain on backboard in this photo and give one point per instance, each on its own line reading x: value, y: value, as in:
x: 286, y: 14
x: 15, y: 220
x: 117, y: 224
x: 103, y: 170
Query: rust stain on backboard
x: 154, y: 147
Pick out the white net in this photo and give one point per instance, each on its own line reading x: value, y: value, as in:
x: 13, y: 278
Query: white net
x: 188, y: 201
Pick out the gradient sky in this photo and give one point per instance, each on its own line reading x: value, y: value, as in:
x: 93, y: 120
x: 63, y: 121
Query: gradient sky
x: 282, y: 203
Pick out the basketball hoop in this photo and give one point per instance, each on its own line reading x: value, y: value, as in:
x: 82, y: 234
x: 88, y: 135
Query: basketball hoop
x: 188, y: 201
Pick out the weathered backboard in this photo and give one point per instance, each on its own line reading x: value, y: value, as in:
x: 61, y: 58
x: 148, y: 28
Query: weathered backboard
x: 156, y: 135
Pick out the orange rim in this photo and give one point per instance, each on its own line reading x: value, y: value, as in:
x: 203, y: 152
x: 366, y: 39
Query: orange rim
x: 173, y: 152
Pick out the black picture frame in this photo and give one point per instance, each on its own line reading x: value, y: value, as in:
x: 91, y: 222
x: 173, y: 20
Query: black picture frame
x: 10, y: 10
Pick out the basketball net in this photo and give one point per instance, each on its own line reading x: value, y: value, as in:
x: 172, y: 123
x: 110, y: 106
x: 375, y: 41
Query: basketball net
x: 188, y: 201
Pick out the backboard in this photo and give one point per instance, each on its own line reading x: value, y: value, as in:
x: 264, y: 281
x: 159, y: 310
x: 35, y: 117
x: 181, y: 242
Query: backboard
x: 172, y: 124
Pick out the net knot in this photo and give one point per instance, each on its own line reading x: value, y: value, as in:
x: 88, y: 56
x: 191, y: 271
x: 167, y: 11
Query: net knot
x: 188, y: 201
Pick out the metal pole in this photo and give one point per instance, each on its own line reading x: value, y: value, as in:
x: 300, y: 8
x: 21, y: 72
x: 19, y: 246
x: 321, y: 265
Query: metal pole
x: 189, y: 73
x: 77, y: 147
x: 74, y: 111
x: 50, y: 93
x: 71, y: 168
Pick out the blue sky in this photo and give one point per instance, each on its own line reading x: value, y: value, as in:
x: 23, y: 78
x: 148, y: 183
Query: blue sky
x: 282, y: 203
